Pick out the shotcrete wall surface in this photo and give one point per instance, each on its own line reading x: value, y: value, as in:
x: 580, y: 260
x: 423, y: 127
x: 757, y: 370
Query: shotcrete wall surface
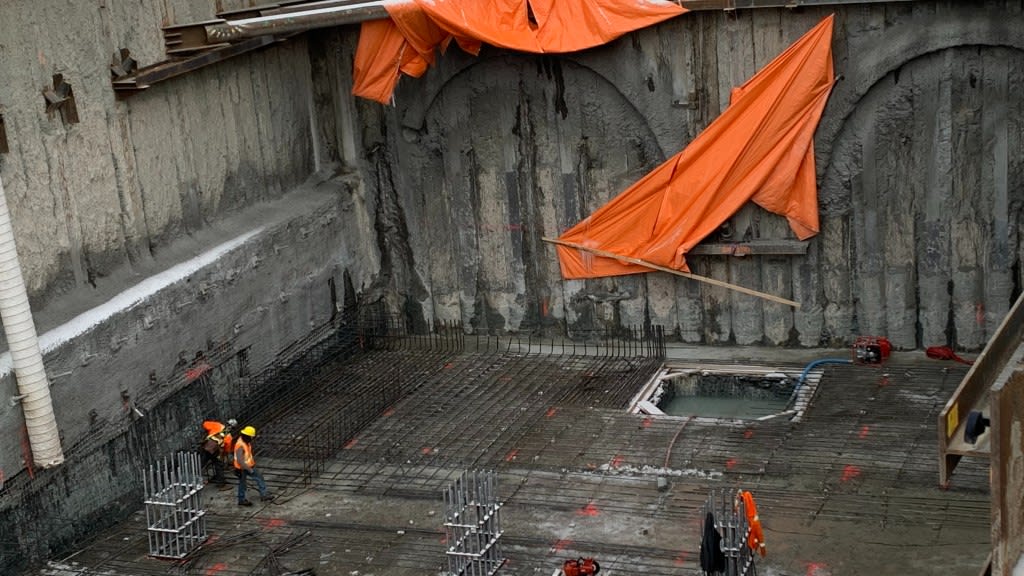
x: 918, y: 157
x: 132, y: 175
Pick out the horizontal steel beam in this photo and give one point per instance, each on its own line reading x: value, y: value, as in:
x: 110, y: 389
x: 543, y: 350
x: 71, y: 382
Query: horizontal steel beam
x: 288, y: 17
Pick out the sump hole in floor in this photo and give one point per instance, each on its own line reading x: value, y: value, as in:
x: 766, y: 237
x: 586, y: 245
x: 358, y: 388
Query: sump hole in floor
x: 726, y: 396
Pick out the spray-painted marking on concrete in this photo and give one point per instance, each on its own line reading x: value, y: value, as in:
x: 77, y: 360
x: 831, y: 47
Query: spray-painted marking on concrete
x: 849, y: 473
x: 216, y: 568
x: 511, y: 454
x: 561, y: 544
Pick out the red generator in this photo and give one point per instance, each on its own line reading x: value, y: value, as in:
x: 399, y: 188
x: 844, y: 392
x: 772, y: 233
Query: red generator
x: 581, y: 567
x: 871, y: 350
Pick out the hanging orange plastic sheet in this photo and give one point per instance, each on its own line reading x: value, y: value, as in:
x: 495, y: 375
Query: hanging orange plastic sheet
x: 405, y: 43
x: 760, y: 148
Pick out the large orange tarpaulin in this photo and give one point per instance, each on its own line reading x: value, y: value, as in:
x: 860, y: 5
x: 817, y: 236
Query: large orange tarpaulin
x: 760, y: 148
x: 405, y: 43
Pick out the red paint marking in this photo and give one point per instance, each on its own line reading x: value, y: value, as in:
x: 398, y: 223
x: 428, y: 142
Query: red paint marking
x: 350, y: 443
x: 514, y: 227
x: 561, y: 544
x: 273, y: 523
x: 680, y: 559
x: 511, y: 455
x: 979, y: 313
x: 647, y: 422
x: 616, y: 461
x: 448, y: 365
x: 551, y: 412
x: 218, y: 567
x: 849, y: 473
x: 544, y: 307
x: 863, y: 432
x: 816, y: 568
x: 388, y: 412
x: 748, y: 434
x: 730, y: 463
x: 884, y: 381
x: 427, y: 449
x: 589, y: 510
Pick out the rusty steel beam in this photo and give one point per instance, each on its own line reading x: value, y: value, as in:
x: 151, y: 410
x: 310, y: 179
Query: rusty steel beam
x: 145, y: 77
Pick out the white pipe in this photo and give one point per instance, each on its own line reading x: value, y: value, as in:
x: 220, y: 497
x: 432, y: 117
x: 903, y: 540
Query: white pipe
x: 26, y: 358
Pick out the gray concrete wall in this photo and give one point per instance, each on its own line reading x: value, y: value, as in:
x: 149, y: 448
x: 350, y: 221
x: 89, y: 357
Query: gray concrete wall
x: 132, y: 175
x: 918, y: 161
x: 104, y: 209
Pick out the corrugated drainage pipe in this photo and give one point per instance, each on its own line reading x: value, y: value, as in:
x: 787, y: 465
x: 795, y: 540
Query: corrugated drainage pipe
x: 26, y: 358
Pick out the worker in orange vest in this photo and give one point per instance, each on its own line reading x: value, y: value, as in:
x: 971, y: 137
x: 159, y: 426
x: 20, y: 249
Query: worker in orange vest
x: 215, y: 448
x: 245, y: 467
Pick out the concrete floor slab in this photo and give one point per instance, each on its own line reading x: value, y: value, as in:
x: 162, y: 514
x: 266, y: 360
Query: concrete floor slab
x: 851, y: 489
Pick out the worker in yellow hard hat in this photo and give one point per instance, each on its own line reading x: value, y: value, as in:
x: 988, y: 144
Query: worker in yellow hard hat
x: 245, y: 467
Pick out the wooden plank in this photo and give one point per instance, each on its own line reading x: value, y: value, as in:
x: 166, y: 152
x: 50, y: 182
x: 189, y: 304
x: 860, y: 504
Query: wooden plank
x: 970, y: 394
x: 654, y: 266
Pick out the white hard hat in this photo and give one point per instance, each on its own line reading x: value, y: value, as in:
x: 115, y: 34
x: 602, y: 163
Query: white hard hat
x: 232, y: 422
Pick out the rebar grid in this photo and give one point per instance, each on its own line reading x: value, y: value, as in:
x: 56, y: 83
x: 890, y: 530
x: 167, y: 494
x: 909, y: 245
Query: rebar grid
x: 473, y: 525
x: 730, y: 516
x: 175, y: 518
x: 321, y: 399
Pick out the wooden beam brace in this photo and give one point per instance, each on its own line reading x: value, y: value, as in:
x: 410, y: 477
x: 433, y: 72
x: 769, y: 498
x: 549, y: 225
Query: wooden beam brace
x: 653, y: 266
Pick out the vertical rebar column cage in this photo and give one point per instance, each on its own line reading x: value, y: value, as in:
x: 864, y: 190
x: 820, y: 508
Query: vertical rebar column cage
x: 731, y: 522
x: 175, y: 518
x: 472, y: 525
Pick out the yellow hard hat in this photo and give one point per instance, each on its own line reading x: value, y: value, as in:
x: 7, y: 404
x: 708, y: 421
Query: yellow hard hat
x: 249, y: 431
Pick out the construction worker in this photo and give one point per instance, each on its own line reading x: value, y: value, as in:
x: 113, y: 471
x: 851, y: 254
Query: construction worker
x: 245, y: 466
x: 212, y: 449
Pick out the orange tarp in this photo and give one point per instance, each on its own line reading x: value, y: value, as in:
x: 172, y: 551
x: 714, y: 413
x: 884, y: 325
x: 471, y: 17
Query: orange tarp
x: 405, y: 43
x: 761, y: 148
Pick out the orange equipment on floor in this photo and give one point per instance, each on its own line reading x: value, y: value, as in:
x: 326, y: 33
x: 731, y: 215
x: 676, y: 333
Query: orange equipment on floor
x: 756, y: 539
x: 581, y: 567
x: 871, y: 350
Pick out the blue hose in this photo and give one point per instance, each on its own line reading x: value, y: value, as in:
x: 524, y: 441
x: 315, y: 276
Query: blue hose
x: 811, y: 366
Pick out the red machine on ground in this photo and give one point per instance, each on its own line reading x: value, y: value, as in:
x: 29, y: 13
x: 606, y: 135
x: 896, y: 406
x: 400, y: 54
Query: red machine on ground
x: 581, y: 567
x: 871, y: 350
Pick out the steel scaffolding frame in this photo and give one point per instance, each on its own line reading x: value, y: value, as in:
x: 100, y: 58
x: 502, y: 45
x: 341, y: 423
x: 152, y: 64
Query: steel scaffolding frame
x: 472, y: 525
x: 175, y: 518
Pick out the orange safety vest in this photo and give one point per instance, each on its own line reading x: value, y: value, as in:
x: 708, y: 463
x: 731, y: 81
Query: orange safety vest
x: 756, y: 539
x: 243, y: 454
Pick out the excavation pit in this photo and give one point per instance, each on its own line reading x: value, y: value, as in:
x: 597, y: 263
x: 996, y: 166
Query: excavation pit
x: 748, y: 394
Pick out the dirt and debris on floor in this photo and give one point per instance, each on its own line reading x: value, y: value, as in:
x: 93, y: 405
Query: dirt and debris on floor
x: 851, y: 489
